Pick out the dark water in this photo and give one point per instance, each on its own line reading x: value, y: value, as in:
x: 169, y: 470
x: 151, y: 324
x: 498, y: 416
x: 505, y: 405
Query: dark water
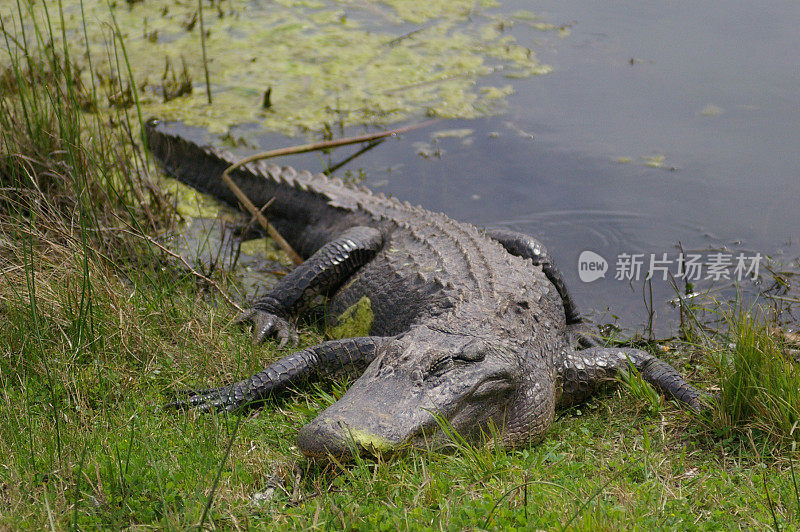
x: 634, y: 79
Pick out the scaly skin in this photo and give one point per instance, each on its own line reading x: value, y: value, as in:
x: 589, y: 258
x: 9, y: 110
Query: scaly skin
x: 469, y: 326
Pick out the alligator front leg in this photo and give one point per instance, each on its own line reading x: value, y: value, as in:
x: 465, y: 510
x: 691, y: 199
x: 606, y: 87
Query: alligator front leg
x: 333, y: 359
x: 582, y: 372
x: 322, y: 273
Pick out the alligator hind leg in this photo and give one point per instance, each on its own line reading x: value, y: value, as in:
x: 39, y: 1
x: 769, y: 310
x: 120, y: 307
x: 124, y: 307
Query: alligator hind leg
x: 582, y: 372
x: 527, y: 247
x: 332, y: 359
x: 322, y: 273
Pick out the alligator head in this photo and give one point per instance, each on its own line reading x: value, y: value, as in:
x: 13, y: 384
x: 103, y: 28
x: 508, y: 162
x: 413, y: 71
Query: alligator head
x: 420, y: 379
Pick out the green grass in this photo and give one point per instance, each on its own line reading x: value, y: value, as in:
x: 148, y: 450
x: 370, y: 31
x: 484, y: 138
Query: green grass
x: 113, y: 459
x: 759, y: 379
x: 98, y: 327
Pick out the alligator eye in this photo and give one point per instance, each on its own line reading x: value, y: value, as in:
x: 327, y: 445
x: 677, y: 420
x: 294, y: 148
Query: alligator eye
x: 152, y: 122
x: 440, y: 365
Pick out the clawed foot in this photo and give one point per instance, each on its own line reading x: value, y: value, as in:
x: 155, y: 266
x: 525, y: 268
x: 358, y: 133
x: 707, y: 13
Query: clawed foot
x: 266, y: 324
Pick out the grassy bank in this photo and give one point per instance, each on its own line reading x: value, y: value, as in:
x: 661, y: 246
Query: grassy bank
x: 99, y: 324
x: 84, y: 444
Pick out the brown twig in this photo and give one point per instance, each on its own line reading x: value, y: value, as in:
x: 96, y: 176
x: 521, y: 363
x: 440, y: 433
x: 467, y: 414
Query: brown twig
x: 262, y: 220
x: 303, y: 148
x: 325, y: 144
x: 246, y: 228
x: 331, y: 169
x: 193, y: 271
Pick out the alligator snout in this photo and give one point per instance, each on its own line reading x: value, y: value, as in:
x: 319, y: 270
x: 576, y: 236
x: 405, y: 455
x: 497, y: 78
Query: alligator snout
x: 375, y: 416
x: 326, y: 436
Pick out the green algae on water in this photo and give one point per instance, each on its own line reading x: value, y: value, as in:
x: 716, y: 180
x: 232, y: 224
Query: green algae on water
x: 325, y: 63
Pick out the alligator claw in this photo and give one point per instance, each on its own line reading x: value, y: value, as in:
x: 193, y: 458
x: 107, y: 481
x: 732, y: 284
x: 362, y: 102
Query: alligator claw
x: 267, y: 324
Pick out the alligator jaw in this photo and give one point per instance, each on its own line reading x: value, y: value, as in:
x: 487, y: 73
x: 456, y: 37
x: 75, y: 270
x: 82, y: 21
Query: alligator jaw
x: 375, y: 416
x: 324, y: 438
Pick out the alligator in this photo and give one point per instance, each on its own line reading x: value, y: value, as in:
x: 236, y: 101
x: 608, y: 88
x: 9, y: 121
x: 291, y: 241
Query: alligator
x: 473, y: 330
